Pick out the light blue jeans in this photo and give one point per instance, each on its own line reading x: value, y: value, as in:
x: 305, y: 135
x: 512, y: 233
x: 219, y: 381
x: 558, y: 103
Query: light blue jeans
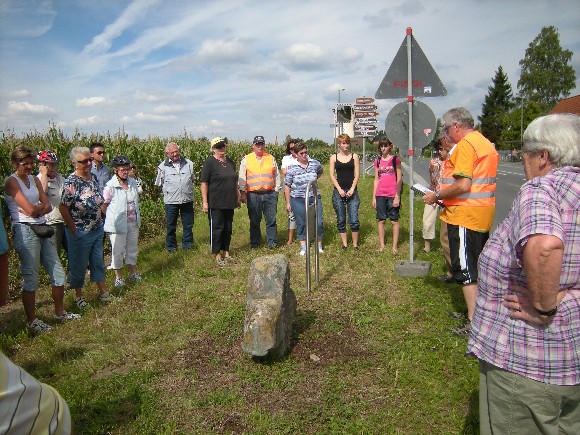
x: 33, y: 251
x: 298, y: 206
x: 85, y: 248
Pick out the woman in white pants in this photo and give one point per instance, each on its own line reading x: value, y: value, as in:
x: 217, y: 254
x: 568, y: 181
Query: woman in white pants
x: 122, y: 219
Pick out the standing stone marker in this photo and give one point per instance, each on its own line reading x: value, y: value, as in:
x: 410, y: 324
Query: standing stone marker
x: 270, y: 307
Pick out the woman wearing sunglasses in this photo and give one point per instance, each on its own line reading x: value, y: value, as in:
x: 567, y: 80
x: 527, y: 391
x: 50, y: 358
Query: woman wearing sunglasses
x: 82, y: 209
x: 28, y: 205
x: 297, y: 178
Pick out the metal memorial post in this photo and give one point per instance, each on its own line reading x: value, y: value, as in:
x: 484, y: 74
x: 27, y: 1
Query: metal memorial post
x: 311, y: 221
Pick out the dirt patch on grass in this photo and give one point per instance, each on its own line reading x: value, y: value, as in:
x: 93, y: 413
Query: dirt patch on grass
x: 214, y: 377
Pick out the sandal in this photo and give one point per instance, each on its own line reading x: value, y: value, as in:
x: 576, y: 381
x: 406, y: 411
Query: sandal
x: 81, y: 303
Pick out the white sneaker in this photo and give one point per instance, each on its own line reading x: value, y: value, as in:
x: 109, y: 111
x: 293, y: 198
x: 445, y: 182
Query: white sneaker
x: 119, y: 282
x: 38, y: 325
x: 66, y: 317
x: 320, y: 250
x: 303, y: 251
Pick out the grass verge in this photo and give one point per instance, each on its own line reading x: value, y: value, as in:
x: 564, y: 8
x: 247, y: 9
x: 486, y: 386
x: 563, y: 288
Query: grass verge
x: 372, y: 351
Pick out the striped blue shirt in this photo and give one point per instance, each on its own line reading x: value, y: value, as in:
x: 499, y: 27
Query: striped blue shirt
x: 298, y: 177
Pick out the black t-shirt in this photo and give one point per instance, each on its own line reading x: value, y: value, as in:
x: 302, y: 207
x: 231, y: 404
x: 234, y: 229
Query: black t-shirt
x: 222, y: 183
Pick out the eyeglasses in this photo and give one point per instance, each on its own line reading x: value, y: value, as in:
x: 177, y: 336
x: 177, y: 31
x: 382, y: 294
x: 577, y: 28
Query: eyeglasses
x: 386, y: 145
x: 447, y: 127
x: 303, y: 153
x: 100, y: 153
x: 123, y: 169
x: 85, y: 161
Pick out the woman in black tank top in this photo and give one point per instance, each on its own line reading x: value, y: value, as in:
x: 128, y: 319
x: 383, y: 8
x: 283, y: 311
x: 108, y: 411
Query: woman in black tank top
x: 344, y: 174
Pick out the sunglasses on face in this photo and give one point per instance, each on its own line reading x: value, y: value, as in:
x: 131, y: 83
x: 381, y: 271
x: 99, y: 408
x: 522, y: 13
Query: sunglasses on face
x: 85, y: 161
x: 303, y: 153
x: 100, y: 153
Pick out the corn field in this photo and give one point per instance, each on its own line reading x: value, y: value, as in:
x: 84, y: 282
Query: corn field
x: 145, y: 153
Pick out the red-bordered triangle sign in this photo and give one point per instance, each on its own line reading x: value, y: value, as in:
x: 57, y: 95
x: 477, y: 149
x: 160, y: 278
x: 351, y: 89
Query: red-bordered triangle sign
x: 426, y: 82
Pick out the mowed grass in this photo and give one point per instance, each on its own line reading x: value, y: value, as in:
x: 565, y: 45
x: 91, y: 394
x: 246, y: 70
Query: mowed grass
x: 372, y: 351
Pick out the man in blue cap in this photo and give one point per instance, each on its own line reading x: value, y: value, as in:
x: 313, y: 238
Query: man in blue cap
x: 259, y: 184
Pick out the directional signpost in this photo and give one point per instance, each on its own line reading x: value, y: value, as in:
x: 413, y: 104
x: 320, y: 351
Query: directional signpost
x: 365, y: 121
x: 410, y: 75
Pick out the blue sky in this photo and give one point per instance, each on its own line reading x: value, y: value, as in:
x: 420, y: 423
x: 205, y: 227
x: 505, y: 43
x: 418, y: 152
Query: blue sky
x: 239, y: 68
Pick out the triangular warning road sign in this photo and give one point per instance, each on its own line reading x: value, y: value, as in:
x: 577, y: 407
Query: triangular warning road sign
x: 426, y: 82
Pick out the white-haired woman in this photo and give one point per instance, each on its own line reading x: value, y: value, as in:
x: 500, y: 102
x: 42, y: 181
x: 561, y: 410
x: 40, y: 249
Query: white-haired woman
x: 526, y: 326
x: 28, y: 206
x: 81, y: 207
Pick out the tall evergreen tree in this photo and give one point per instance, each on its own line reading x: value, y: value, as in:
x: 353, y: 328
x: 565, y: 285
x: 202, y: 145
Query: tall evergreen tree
x: 546, y: 75
x: 497, y: 104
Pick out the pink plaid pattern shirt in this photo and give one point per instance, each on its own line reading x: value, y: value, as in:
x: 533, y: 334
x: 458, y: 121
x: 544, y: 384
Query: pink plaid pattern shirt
x: 550, y: 354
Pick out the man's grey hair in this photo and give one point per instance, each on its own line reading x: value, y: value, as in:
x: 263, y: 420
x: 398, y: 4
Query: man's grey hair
x: 458, y: 115
x: 558, y: 134
x: 76, y: 151
x: 171, y: 144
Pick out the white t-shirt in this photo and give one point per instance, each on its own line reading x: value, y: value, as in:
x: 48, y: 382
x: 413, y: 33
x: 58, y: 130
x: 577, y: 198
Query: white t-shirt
x: 288, y: 160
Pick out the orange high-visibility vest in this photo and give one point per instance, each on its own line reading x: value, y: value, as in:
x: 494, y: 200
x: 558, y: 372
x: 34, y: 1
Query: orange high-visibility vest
x: 482, y: 192
x: 260, y: 174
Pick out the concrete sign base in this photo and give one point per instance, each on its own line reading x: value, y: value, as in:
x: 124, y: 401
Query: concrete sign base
x: 417, y: 268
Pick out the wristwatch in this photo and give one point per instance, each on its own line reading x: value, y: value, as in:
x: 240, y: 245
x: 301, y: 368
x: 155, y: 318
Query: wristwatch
x: 549, y: 313
x: 437, y: 195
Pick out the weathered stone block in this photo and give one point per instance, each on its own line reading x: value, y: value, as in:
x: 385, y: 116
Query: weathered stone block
x: 270, y: 307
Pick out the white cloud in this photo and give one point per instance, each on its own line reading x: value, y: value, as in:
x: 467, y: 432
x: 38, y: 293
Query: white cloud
x: 223, y: 51
x: 214, y: 123
x: 305, y: 56
x: 148, y: 117
x: 264, y: 73
x: 134, y: 13
x: 19, y: 93
x: 169, y: 108
x: 90, y: 101
x: 351, y: 54
x: 24, y: 107
x: 91, y: 120
x: 26, y: 18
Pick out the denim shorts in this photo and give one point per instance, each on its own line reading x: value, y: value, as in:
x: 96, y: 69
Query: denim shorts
x: 32, y: 252
x: 386, y: 210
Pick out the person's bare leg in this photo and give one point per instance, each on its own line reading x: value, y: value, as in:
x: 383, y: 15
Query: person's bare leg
x: 354, y: 235
x: 395, y: 237
x: 470, y: 295
x: 381, y: 227
x: 58, y: 298
x: 343, y: 239
x: 29, y: 302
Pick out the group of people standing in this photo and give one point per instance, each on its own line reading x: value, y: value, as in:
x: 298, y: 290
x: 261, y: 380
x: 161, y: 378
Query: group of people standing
x: 521, y: 285
x: 50, y: 213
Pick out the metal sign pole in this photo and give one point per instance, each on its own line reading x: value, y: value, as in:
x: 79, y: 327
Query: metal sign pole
x: 410, y: 106
x: 314, y: 186
x: 364, y: 157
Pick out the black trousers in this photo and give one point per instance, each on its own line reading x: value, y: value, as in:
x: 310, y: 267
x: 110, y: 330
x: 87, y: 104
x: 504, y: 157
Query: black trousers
x: 220, y: 226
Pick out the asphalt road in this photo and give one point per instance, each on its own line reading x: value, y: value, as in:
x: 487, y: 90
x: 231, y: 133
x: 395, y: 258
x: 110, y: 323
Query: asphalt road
x: 510, y: 177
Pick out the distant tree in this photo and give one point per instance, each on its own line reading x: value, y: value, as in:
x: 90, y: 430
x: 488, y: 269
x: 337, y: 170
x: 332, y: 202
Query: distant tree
x: 312, y: 142
x: 513, y: 123
x: 546, y: 75
x: 497, y: 104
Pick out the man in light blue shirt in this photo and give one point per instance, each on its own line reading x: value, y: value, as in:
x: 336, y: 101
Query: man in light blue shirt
x: 175, y: 176
x: 101, y: 171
